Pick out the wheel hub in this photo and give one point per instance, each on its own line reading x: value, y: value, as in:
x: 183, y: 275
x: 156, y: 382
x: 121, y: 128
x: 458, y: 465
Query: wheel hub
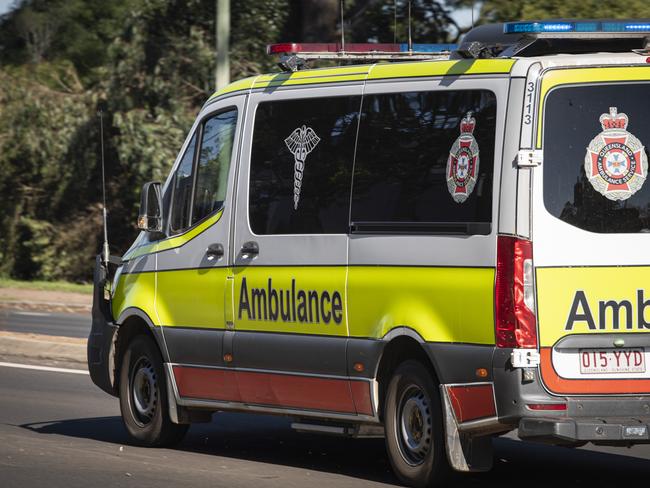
x: 414, y: 424
x: 144, y: 391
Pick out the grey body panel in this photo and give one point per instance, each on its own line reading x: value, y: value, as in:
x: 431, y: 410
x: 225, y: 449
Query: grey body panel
x: 595, y: 429
x: 195, y: 346
x: 294, y: 353
x: 141, y: 264
x: 508, y: 203
x: 457, y: 363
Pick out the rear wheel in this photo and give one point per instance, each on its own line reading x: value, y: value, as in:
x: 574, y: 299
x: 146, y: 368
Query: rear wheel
x: 143, y: 396
x: 414, y: 429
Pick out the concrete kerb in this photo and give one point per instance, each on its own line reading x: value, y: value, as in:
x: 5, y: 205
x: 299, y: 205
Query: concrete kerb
x: 43, y: 349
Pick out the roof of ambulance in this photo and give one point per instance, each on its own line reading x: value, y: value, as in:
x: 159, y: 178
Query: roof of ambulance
x: 513, y: 67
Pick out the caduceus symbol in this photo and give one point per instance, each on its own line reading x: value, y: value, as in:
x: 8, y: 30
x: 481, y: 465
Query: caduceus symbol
x: 301, y: 142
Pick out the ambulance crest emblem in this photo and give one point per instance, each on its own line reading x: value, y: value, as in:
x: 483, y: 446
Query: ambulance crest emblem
x: 463, y: 162
x: 616, y: 163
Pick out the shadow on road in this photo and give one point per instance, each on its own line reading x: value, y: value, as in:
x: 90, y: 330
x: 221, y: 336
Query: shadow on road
x: 270, y: 440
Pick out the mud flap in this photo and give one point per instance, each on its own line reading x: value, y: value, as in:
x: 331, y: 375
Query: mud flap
x: 101, y: 341
x: 467, y: 453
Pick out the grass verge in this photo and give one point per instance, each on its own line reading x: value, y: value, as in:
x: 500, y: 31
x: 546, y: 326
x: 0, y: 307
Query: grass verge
x: 47, y: 285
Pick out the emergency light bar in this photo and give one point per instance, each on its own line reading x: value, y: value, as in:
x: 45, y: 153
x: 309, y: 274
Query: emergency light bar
x: 591, y: 27
x: 357, y: 51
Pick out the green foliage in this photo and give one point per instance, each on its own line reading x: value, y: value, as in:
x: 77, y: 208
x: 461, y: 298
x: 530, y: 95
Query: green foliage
x: 387, y: 21
x: 507, y: 10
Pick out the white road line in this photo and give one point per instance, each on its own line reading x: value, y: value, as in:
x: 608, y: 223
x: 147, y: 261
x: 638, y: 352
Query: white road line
x: 33, y: 314
x: 43, y: 368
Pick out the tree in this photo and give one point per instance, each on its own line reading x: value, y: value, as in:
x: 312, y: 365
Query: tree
x: 507, y: 10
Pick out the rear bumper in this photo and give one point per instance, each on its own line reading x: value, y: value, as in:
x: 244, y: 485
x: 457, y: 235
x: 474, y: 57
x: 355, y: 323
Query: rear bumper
x: 102, y: 335
x: 604, y: 419
x: 577, y: 430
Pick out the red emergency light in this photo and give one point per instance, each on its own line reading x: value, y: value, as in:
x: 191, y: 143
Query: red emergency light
x: 361, y: 48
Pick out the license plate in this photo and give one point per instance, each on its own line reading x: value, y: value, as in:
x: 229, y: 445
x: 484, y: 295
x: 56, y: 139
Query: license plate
x: 619, y: 360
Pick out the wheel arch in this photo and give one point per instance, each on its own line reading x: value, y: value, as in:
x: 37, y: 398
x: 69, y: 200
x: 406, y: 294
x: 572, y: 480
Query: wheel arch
x: 402, y: 343
x: 131, y: 323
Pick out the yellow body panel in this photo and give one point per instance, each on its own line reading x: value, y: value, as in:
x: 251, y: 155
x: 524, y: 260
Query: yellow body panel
x: 311, y: 76
x: 440, y: 304
x: 135, y: 290
x: 568, y: 76
x: 561, y: 290
x: 441, y: 68
x: 192, y: 298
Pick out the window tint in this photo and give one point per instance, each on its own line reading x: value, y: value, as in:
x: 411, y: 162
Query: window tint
x: 182, y: 190
x: 416, y: 172
x: 214, y: 163
x: 301, y: 165
x: 595, y: 164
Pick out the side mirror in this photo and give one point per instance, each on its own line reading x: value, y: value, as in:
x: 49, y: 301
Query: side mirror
x: 150, y: 216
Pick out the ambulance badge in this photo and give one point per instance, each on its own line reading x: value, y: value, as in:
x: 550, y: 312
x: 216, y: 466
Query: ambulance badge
x: 616, y: 163
x: 301, y: 142
x: 463, y: 162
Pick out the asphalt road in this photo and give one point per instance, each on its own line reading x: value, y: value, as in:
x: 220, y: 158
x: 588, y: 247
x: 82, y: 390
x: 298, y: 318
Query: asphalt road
x: 58, y: 430
x: 55, y: 324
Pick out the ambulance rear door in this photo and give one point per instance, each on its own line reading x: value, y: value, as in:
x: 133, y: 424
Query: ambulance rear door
x: 591, y: 230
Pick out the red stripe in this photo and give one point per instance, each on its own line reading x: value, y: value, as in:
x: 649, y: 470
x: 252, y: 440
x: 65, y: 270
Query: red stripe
x: 281, y: 390
x: 362, y: 397
x: 557, y: 384
x: 207, y: 384
x: 472, y: 402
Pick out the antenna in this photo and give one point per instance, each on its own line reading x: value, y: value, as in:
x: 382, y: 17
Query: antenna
x: 105, y: 251
x: 410, y: 40
x: 395, y: 22
x: 342, y: 29
x: 473, y: 4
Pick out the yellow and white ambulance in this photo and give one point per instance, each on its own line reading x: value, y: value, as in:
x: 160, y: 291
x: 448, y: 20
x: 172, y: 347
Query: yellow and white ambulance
x: 438, y: 248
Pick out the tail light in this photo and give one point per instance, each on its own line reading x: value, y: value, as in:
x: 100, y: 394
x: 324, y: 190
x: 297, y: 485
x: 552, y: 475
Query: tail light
x: 516, y: 324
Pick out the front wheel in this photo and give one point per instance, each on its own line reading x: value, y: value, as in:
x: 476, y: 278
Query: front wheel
x: 143, y: 396
x: 414, y: 430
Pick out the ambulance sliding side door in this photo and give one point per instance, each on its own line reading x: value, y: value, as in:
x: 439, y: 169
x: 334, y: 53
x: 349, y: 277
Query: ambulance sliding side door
x: 290, y: 249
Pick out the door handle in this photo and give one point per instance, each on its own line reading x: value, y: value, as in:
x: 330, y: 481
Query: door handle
x: 250, y: 249
x: 214, y: 251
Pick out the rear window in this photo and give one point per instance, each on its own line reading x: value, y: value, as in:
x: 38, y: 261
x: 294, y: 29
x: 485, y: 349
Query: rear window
x: 595, y: 159
x: 424, y: 163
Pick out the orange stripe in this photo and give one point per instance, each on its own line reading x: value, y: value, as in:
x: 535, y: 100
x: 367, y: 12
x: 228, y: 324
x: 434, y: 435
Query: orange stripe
x: 557, y: 384
x: 472, y: 402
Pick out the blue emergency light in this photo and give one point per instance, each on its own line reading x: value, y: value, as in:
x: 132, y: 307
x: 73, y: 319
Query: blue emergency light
x: 583, y: 27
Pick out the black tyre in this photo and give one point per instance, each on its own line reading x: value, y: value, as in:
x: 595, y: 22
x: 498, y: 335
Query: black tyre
x: 414, y: 429
x: 143, y: 396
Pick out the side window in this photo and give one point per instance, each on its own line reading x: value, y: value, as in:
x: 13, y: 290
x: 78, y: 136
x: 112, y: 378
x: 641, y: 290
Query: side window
x: 181, y: 187
x: 424, y: 162
x: 301, y: 165
x: 214, y: 162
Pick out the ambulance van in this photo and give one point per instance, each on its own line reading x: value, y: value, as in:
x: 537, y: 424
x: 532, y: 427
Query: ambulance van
x: 432, y: 247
